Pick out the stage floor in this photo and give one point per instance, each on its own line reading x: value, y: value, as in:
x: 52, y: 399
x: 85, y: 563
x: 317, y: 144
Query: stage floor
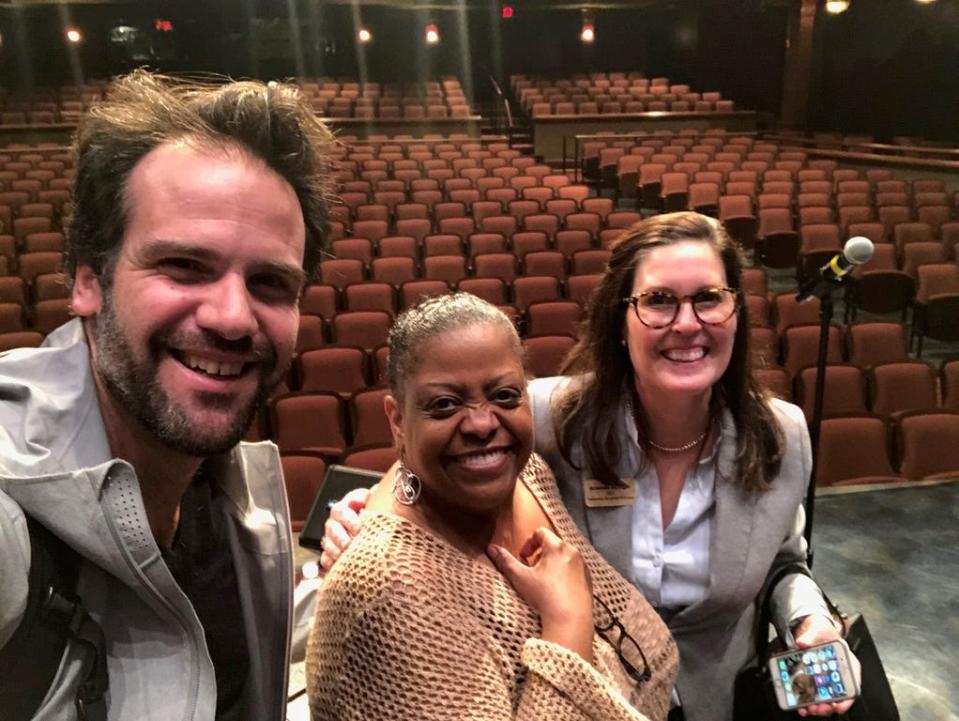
x: 893, y: 555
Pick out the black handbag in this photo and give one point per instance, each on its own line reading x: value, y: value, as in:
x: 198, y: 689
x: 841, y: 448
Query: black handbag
x: 754, y: 697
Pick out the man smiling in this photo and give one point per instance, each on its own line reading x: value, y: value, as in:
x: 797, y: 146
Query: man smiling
x: 199, y: 213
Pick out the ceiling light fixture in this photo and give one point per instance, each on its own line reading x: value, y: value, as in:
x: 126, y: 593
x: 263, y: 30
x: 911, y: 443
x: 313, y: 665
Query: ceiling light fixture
x: 837, y: 7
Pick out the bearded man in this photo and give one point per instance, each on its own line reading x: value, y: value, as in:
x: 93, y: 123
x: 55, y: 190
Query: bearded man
x: 200, y: 212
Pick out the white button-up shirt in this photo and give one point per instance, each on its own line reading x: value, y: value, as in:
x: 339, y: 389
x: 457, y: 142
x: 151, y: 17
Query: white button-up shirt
x: 671, y: 566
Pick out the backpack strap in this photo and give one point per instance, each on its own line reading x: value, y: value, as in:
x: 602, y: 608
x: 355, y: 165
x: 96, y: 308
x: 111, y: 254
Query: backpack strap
x: 53, y: 615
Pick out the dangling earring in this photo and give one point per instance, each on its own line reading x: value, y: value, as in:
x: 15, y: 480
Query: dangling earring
x: 407, y: 486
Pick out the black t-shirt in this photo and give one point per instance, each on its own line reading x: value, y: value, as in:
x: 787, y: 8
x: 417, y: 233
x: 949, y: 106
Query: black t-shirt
x: 202, y: 564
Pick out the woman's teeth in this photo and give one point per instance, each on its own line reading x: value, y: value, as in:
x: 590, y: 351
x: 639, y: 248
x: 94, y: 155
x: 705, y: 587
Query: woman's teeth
x: 685, y: 355
x: 482, y: 460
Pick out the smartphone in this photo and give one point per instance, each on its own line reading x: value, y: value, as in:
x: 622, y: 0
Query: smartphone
x: 818, y: 674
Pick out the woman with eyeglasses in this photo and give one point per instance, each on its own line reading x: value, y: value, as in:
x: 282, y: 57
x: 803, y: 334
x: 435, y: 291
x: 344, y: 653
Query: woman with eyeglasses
x: 679, y: 468
x: 470, y: 592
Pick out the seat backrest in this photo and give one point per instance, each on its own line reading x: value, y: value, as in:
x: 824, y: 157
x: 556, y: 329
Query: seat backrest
x: 449, y: 268
x: 376, y: 457
x: 370, y: 295
x: 735, y: 206
x: 558, y: 317
x: 529, y: 241
x: 819, y: 237
x: 844, y: 391
x: 545, y: 354
x: 580, y: 288
x: 478, y: 243
x: 545, y: 262
x: 303, y: 475
x: 755, y: 281
x: 936, y: 279
x: 495, y: 265
x: 853, y: 450
x: 413, y: 291
x: 492, y: 290
x: 363, y: 328
x: 589, y: 262
x: 368, y: 418
x: 335, y: 369
x: 787, y: 311
x: 600, y: 206
x: 535, y: 289
x: 927, y: 445
x: 340, y: 272
x: 902, y: 386
x: 308, y: 421
x: 801, y: 346
x: 872, y: 344
x: 915, y: 255
x: 950, y: 385
x: 904, y: 233
x: 20, y: 339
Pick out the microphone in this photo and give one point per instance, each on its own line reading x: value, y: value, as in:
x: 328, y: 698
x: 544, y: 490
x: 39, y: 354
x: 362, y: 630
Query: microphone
x: 855, y: 252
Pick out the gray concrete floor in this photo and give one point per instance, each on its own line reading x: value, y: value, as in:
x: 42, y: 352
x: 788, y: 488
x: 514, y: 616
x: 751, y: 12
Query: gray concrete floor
x: 893, y: 555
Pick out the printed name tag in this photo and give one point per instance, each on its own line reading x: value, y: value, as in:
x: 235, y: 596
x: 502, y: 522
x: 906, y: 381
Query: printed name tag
x: 599, y: 495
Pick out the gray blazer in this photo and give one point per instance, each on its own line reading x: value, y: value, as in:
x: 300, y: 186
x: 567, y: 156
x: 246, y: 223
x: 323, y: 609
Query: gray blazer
x: 754, y: 533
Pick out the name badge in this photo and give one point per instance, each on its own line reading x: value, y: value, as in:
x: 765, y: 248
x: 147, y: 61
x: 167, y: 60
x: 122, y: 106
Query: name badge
x: 599, y: 495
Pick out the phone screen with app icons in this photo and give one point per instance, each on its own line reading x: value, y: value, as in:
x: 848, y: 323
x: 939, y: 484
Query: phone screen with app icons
x: 820, y: 674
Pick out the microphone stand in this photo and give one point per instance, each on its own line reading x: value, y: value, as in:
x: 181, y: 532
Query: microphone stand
x: 824, y: 294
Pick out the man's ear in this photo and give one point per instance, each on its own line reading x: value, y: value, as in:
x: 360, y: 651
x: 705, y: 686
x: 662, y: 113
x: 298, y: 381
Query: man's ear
x: 395, y: 414
x: 87, y: 295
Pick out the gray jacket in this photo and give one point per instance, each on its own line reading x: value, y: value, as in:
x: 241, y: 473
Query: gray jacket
x: 55, y: 464
x: 754, y: 534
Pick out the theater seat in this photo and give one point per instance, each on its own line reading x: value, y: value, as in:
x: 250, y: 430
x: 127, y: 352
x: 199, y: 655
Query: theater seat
x: 854, y: 451
x: 375, y: 457
x: 303, y: 474
x: 545, y: 354
x: 308, y: 421
x: 927, y: 445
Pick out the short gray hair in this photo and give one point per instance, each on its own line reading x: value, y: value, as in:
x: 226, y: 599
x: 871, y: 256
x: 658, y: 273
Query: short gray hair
x: 432, y: 316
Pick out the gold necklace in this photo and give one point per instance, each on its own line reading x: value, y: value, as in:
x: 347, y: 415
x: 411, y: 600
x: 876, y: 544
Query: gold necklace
x: 667, y: 449
x: 679, y: 449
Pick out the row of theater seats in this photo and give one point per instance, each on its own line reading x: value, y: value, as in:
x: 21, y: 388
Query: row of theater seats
x: 848, y: 201
x: 352, y: 99
x: 917, y: 445
x: 611, y: 95
x: 45, y: 106
x: 336, y: 98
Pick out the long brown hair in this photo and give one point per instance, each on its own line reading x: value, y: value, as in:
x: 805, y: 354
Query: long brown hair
x: 586, y: 414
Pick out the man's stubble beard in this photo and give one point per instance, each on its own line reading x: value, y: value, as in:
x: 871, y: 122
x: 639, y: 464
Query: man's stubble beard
x: 136, y: 389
